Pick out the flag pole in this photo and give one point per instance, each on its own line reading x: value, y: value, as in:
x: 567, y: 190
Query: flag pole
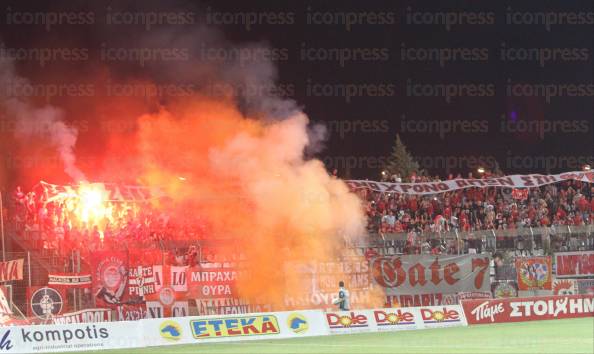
x: 2, y: 228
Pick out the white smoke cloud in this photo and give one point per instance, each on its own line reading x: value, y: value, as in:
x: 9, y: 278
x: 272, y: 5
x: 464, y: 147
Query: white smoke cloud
x: 45, y: 123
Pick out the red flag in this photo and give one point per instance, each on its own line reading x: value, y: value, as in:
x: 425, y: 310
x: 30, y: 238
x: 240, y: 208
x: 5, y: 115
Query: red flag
x: 110, y: 277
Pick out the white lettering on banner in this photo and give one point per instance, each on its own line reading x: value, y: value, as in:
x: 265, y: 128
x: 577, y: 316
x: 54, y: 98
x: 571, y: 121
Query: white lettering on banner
x: 485, y: 311
x: 180, y: 309
x: 551, y: 307
x: 514, y: 181
x: 84, y: 316
x: 215, y: 290
x: 11, y: 270
x: 141, y: 281
x: 213, y: 276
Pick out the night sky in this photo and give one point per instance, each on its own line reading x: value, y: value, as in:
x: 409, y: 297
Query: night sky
x: 366, y: 70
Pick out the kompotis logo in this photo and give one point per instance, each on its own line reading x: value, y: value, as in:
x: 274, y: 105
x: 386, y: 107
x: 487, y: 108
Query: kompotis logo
x: 5, y: 343
x: 397, y: 318
x: 170, y: 330
x: 438, y: 316
x: 234, y: 327
x: 46, y: 302
x: 352, y: 320
x: 297, y: 323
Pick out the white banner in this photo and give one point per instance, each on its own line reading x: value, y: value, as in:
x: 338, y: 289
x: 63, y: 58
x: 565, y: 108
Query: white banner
x: 220, y: 328
x: 395, y: 319
x: 113, y: 192
x: 70, y: 337
x: 514, y: 181
x: 70, y: 280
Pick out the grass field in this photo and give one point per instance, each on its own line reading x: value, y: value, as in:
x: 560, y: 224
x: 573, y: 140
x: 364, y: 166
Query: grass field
x: 557, y: 336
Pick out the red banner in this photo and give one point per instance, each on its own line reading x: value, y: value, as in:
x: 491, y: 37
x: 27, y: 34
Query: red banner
x: 141, y: 277
x: 575, y: 264
x: 534, y: 273
x: 528, y: 309
x: 45, y: 302
x: 11, y: 270
x: 110, y: 277
x: 70, y: 280
x: 211, y: 283
x: 131, y: 312
x: 520, y: 194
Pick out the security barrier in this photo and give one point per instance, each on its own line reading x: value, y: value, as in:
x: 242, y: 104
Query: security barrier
x: 223, y: 328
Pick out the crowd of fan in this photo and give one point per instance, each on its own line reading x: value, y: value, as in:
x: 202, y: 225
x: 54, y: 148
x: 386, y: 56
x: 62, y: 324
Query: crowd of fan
x: 54, y: 225
x: 472, y: 209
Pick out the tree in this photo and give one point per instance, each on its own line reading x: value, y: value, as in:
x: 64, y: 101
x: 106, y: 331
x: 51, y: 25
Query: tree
x: 401, y: 161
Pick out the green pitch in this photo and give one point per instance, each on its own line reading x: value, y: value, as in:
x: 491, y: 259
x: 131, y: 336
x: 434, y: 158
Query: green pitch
x: 555, y: 336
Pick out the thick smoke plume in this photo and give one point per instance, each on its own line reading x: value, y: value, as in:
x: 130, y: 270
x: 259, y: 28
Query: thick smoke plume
x: 31, y: 124
x: 249, y: 180
x: 238, y: 161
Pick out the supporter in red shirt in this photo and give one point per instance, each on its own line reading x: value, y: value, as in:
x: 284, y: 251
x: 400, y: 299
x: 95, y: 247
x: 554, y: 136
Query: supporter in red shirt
x: 413, y: 204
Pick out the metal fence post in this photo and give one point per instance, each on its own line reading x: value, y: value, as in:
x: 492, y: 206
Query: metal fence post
x: 2, y: 229
x: 29, y: 266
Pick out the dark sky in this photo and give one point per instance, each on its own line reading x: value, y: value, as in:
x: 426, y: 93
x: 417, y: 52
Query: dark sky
x: 452, y: 78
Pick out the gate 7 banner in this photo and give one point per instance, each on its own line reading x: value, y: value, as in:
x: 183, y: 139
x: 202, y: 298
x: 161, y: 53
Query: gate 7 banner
x: 424, y: 280
x: 575, y: 264
x: 110, y: 277
x: 534, y: 273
